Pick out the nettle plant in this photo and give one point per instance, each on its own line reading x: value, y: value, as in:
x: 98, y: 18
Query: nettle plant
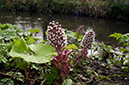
x: 57, y: 38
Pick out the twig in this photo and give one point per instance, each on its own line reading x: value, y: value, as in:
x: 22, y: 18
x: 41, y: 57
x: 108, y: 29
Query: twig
x: 15, y: 72
x: 74, y: 79
x: 30, y: 68
x: 47, y: 65
x: 78, y: 77
x: 108, y: 77
x: 42, y: 83
x: 18, y: 77
x: 26, y: 73
x: 36, y: 77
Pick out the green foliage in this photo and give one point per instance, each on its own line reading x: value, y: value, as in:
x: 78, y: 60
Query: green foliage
x: 4, y: 52
x: 31, y: 38
x: 20, y: 51
x: 36, y: 53
x: 16, y: 74
x: 117, y: 56
x: 106, y: 47
x: 26, y: 54
x: 9, y: 81
x: 32, y: 31
x: 78, y: 36
x: 9, y: 32
x: 50, y: 76
x: 67, y: 82
x: 6, y: 81
x: 122, y: 38
x: 20, y: 63
x: 73, y: 37
x: 70, y: 34
x: 71, y: 46
x: 119, y: 8
x: 89, y: 72
x: 122, y: 57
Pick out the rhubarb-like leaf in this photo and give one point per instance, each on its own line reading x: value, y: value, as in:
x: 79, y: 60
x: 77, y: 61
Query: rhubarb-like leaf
x: 43, y: 52
x: 36, y: 53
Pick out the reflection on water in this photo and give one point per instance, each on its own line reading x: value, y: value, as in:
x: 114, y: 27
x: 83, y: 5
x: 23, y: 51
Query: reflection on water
x: 103, y: 28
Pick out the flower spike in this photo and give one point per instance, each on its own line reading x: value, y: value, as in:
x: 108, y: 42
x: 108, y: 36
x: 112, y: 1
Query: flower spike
x: 88, y: 38
x: 56, y: 35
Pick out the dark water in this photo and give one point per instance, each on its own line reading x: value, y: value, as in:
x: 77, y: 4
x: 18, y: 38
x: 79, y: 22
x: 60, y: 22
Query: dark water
x: 102, y: 27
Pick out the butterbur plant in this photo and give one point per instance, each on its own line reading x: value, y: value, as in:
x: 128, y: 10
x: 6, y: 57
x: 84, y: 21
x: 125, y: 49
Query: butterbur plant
x: 87, y: 42
x: 57, y: 38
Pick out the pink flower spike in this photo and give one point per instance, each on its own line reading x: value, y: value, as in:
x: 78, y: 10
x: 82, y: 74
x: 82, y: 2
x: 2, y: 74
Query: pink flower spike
x: 56, y: 36
x: 88, y: 38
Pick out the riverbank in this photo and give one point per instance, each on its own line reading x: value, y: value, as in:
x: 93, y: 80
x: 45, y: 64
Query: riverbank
x: 104, y: 66
x: 115, y: 9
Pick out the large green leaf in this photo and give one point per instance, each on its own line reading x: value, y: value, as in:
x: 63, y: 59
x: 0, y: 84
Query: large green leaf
x: 43, y: 52
x: 36, y: 53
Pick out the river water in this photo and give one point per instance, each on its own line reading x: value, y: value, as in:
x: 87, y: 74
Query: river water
x: 102, y: 27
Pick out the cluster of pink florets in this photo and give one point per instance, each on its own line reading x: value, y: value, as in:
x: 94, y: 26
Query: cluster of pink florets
x: 56, y: 35
x: 57, y: 38
x: 88, y: 38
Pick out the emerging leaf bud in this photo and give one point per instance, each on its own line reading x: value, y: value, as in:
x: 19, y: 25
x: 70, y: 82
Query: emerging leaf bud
x: 56, y: 35
x: 88, y: 38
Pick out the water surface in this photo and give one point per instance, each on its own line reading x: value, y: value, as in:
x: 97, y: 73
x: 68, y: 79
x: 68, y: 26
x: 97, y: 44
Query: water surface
x: 102, y: 27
